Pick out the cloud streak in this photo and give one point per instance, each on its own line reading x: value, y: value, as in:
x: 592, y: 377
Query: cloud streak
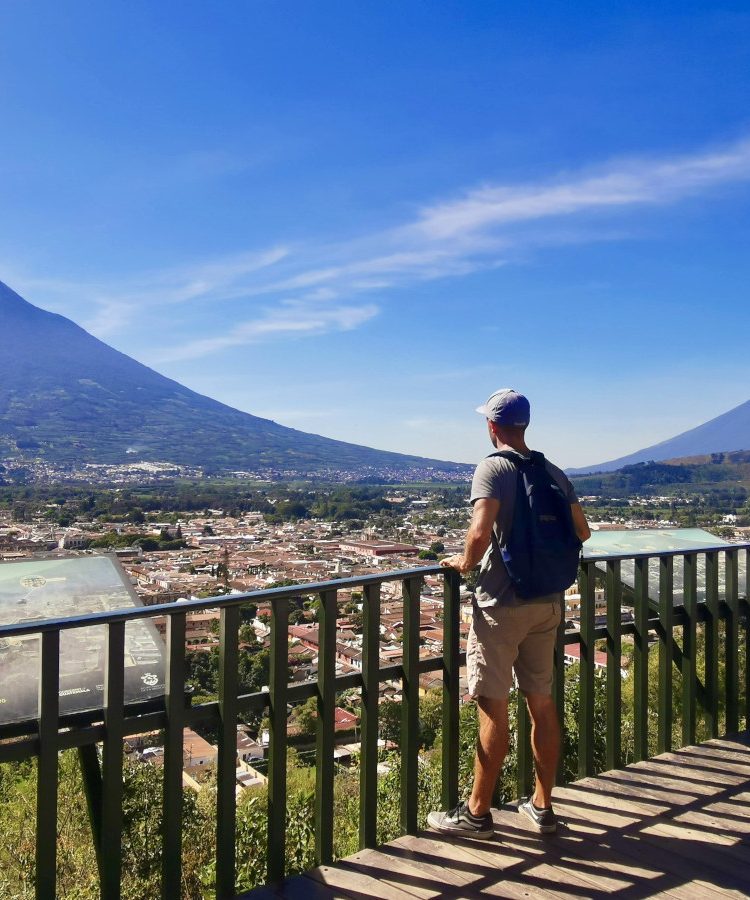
x: 291, y: 319
x: 632, y: 183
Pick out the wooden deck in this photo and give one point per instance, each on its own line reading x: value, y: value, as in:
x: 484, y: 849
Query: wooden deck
x: 676, y: 826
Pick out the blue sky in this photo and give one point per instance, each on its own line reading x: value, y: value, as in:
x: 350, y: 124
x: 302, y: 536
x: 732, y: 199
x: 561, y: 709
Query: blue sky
x: 360, y: 219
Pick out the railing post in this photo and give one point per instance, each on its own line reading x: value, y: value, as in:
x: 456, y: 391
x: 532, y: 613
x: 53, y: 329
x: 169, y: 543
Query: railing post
x: 712, y: 643
x: 640, y: 660
x: 690, y: 602
x: 112, y: 761
x: 174, y: 701
x: 747, y: 639
x: 324, y: 731
x: 732, y: 643
x: 451, y: 632
x: 614, y: 664
x: 278, y: 679
x: 226, y: 769
x: 524, y: 758
x: 47, y: 789
x: 410, y: 737
x: 586, y: 701
x: 368, y: 774
x: 666, y: 653
x: 558, y: 689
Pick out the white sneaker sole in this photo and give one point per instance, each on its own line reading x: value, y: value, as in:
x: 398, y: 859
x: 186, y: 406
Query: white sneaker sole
x: 435, y: 820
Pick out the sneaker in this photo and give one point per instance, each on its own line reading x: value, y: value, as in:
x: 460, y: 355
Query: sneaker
x: 545, y: 820
x: 461, y: 822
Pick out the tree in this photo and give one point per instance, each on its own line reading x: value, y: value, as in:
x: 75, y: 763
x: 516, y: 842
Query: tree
x: 248, y: 611
x: 356, y: 618
x: 247, y: 634
x: 305, y: 716
x: 437, y: 547
x: 389, y: 721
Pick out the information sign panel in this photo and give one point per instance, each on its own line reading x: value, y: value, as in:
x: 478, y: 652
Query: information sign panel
x: 70, y: 586
x: 661, y: 540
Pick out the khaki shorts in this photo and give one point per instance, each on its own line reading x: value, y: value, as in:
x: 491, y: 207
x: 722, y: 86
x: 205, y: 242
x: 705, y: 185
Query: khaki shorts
x: 507, y: 638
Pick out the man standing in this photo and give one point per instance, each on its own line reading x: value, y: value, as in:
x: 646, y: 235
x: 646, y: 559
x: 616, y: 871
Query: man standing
x: 507, y: 632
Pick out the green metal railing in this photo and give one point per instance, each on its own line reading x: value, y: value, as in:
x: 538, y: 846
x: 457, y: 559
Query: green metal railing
x: 652, y: 615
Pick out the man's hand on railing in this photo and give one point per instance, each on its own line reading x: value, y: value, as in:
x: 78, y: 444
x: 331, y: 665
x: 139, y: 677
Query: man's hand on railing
x: 454, y: 562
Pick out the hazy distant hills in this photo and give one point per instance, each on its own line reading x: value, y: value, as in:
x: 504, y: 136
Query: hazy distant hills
x: 729, y: 431
x: 68, y: 398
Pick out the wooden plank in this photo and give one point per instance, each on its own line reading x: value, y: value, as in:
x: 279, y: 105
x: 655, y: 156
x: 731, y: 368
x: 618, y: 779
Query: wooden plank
x: 738, y: 752
x: 738, y: 761
x: 736, y: 743
x: 692, y: 774
x: 713, y: 819
x: 604, y: 803
x: 730, y: 809
x: 424, y: 879
x: 350, y: 879
x: 303, y: 888
x: 669, y: 790
x: 721, y: 845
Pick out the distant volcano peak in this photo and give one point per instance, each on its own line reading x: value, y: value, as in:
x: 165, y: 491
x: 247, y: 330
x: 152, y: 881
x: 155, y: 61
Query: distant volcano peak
x: 727, y: 432
x: 67, y: 398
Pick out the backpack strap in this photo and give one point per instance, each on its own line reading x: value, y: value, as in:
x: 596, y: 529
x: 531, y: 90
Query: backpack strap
x: 519, y: 462
x: 535, y: 457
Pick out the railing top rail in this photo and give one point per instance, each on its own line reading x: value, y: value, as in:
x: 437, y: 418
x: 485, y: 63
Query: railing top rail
x: 590, y: 555
x: 271, y: 594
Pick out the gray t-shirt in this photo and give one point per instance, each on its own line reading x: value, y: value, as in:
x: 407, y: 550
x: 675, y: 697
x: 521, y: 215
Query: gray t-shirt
x: 497, y: 477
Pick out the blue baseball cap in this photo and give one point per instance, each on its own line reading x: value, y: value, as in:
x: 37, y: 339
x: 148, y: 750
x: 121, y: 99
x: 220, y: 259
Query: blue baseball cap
x: 507, y: 407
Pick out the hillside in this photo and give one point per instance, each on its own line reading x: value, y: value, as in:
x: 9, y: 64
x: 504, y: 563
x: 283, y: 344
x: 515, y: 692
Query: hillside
x: 67, y: 398
x: 711, y: 473
x: 729, y: 431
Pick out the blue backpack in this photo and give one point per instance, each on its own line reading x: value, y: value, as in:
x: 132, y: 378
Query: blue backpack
x: 542, y: 551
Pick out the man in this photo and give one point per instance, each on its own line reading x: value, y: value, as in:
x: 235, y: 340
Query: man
x: 507, y: 632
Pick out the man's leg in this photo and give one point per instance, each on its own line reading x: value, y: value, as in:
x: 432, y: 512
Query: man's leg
x: 492, y: 748
x: 545, y: 744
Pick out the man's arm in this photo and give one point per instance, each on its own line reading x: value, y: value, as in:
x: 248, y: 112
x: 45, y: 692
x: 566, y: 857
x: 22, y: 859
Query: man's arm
x: 579, y: 522
x: 477, y: 537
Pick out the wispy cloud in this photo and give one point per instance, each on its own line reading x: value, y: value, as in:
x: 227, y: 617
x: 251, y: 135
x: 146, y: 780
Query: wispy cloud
x: 313, y: 288
x: 629, y: 183
x: 290, y: 319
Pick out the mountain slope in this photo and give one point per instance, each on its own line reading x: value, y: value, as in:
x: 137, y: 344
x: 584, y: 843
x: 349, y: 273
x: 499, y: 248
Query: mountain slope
x: 724, y: 473
x: 66, y: 397
x: 729, y: 431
